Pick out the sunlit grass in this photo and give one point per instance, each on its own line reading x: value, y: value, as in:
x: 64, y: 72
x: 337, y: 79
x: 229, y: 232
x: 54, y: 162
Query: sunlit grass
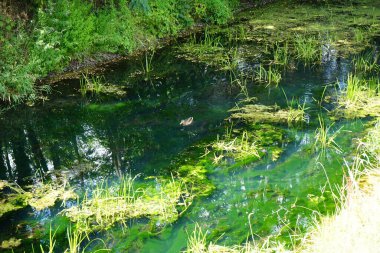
x: 270, y: 76
x: 366, y: 62
x: 307, y: 49
x: 324, y: 138
x: 281, y: 54
x: 94, y: 84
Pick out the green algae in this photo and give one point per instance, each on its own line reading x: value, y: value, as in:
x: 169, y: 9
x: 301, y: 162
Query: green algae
x: 309, y: 31
x: 11, y: 243
x: 163, y: 203
x: 257, y: 113
x: 40, y: 196
x: 46, y: 195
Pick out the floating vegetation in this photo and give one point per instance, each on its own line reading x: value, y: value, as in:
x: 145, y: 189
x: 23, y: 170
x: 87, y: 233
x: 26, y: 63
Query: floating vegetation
x: 40, y: 196
x: 195, y: 177
x: 307, y: 49
x: 93, y: 84
x: 46, y: 195
x: 325, y: 138
x: 366, y: 62
x: 10, y: 244
x: 239, y: 148
x: 107, y: 204
x: 256, y: 113
x: 270, y: 76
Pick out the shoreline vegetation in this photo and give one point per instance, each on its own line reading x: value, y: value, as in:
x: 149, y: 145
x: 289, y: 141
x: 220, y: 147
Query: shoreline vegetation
x: 353, y: 227
x: 59, y: 36
x: 51, y: 35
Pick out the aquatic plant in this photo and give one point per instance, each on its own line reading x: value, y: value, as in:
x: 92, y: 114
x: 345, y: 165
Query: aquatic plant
x: 360, y: 98
x: 356, y: 198
x: 307, y: 49
x: 196, y: 242
x: 147, y: 65
x: 255, y: 113
x: 241, y: 83
x: 270, y: 76
x: 110, y: 204
x: 366, y: 62
x: 240, y: 147
x: 281, y: 54
x: 92, y: 84
x: 325, y: 139
x: 40, y: 196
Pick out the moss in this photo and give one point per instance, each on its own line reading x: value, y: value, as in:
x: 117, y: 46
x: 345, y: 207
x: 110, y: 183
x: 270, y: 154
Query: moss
x: 11, y: 243
x: 195, y: 176
x: 256, y: 113
x: 162, y: 203
x: 344, y: 28
x: 46, y: 195
x: 40, y: 196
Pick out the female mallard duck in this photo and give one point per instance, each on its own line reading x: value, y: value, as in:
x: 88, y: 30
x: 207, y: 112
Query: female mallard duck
x: 187, y: 122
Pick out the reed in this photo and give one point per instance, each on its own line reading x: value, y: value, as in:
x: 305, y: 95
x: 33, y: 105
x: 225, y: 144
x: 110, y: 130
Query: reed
x: 281, y: 54
x: 307, y: 49
x: 147, y: 66
x: 324, y: 138
x: 270, y: 76
x: 94, y: 84
x: 366, y: 62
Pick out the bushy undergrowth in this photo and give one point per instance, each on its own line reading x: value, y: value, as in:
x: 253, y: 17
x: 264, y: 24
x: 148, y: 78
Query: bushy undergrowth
x: 68, y: 30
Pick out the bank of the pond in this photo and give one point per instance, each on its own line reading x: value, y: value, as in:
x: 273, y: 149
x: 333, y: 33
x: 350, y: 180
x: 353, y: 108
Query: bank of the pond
x: 355, y: 225
x: 45, y: 42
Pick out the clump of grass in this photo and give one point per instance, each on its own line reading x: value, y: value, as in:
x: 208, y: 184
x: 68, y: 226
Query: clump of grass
x: 281, y: 54
x: 325, y: 139
x: 361, y: 96
x: 270, y: 76
x: 94, y: 84
x: 366, y: 62
x: 196, y: 242
x: 307, y: 49
x: 296, y: 111
x: 110, y: 204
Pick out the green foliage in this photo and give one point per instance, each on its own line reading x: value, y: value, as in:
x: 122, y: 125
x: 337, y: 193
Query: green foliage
x: 308, y: 49
x: 115, y: 29
x: 214, y: 11
x: 67, y: 30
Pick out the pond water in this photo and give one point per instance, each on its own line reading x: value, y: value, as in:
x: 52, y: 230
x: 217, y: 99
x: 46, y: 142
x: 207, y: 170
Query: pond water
x: 94, y: 137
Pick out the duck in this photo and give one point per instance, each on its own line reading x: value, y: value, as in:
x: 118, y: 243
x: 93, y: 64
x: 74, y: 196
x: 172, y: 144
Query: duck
x: 187, y: 122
